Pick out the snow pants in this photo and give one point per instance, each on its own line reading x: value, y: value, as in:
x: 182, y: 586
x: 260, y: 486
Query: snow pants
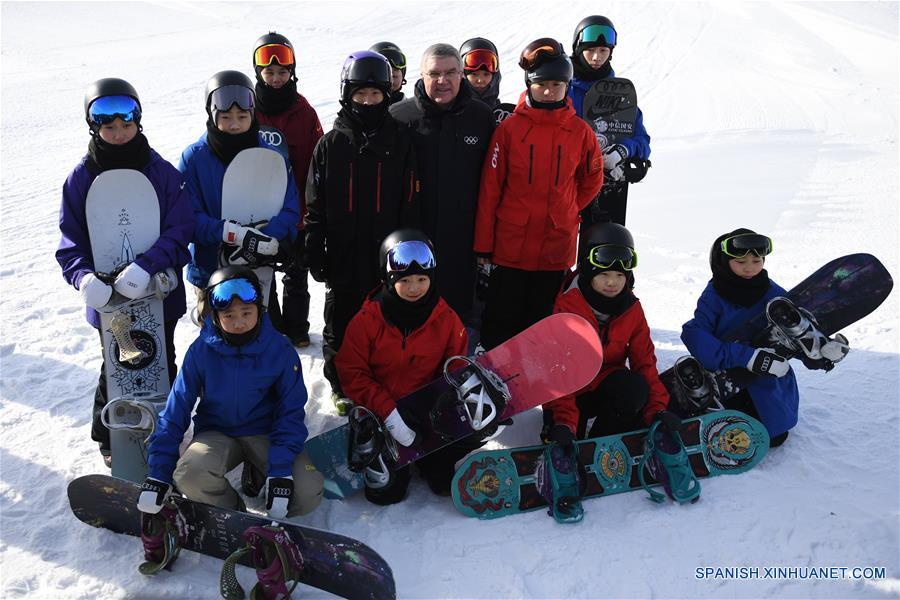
x: 340, y: 307
x: 295, y: 296
x: 516, y: 300
x: 200, y: 472
x: 615, y: 405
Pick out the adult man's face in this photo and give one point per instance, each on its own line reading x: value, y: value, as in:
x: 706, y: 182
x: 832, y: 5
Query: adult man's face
x: 442, y: 76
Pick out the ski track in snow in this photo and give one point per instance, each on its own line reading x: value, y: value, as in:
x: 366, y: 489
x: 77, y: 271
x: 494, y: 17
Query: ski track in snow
x: 776, y: 116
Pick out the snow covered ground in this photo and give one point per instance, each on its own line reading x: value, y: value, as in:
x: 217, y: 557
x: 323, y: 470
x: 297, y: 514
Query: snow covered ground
x: 782, y: 117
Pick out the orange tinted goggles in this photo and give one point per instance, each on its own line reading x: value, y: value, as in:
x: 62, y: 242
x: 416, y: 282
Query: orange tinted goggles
x: 481, y: 59
x: 264, y: 55
x: 538, y: 51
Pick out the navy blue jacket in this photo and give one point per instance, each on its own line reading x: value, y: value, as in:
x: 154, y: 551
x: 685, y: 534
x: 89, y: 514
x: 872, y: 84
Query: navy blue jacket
x: 244, y: 390
x: 775, y: 398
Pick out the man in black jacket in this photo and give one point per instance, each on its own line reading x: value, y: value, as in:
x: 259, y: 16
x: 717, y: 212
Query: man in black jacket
x: 451, y: 132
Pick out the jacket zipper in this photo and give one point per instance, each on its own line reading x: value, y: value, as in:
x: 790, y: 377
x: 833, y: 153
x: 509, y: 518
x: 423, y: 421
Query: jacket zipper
x: 558, y: 159
x: 378, y: 191
x: 350, y: 194
x: 530, y: 160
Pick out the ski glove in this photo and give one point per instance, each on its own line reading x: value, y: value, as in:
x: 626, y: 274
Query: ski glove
x: 132, y: 282
x: 399, y: 430
x: 278, y: 495
x: 614, y: 161
x: 766, y: 362
x: 483, y: 280
x: 669, y: 420
x: 94, y: 292
x: 233, y: 233
x: 256, y: 246
x: 154, y: 494
x: 561, y: 435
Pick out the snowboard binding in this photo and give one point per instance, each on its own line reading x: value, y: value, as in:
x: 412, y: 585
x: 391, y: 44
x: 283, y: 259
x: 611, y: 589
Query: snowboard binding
x: 696, y: 390
x: 137, y: 412
x: 797, y: 333
x: 162, y: 537
x: 371, y: 449
x: 667, y: 461
x: 277, y: 560
x: 481, y: 395
x: 559, y: 481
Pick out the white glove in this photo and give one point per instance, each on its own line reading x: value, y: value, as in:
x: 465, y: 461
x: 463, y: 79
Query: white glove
x: 233, y: 233
x: 153, y: 495
x: 614, y: 156
x: 399, y: 430
x: 265, y: 245
x: 132, y: 282
x: 766, y: 362
x: 94, y: 292
x: 278, y: 495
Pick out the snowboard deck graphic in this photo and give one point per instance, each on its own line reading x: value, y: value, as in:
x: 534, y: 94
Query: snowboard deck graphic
x: 333, y: 562
x: 496, y: 483
x: 122, y: 211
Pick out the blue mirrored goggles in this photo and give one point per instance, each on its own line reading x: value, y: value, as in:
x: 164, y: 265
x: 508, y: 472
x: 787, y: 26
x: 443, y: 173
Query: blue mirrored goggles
x: 597, y: 34
x: 106, y: 109
x: 404, y: 254
x: 227, y: 96
x: 223, y: 294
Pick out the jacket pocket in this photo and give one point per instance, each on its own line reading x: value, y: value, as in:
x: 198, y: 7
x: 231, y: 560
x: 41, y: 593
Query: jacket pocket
x: 510, y: 233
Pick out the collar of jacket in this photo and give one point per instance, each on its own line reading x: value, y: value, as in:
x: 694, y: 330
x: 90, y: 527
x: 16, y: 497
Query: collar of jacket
x: 211, y: 337
x: 381, y: 141
x: 431, y: 109
x: 559, y: 116
x: 585, y: 85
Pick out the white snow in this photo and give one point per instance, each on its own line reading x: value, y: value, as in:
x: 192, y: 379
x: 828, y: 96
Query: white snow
x: 782, y: 117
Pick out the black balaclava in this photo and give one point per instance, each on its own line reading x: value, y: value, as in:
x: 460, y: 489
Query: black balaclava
x: 408, y: 316
x: 735, y: 289
x: 583, y: 71
x: 367, y: 117
x: 600, y: 303
x: 491, y: 94
x: 103, y: 156
x: 227, y: 145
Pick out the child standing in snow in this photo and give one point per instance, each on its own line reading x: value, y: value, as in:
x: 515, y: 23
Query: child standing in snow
x: 543, y: 166
x: 395, y: 344
x: 230, y: 128
x: 622, y: 398
x: 481, y: 65
x: 112, y: 110
x: 740, y: 288
x: 280, y: 106
x: 251, y: 409
x: 395, y: 56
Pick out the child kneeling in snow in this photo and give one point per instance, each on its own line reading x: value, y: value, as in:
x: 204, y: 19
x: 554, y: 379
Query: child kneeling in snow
x: 252, y: 395
x: 395, y: 344
x: 739, y: 289
x: 622, y: 398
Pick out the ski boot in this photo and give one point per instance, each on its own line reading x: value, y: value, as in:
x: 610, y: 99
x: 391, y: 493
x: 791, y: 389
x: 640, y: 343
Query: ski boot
x: 557, y: 478
x: 667, y: 461
x: 370, y: 449
x: 480, y: 394
x: 796, y: 331
x: 696, y: 390
x: 277, y: 560
x: 162, y: 539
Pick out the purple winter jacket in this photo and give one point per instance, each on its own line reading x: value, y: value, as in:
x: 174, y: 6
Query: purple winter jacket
x: 176, y: 226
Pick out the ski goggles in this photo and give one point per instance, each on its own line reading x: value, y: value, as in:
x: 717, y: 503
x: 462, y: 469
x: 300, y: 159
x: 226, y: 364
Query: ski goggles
x: 739, y: 246
x: 481, y: 59
x: 597, y: 34
x: 404, y: 254
x: 227, y: 96
x: 395, y: 56
x: 606, y: 255
x: 223, y: 294
x: 264, y: 55
x: 106, y: 109
x: 538, y: 51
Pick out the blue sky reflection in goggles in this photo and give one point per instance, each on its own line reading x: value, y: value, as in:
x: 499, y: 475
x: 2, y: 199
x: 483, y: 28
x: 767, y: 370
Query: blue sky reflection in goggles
x: 592, y: 34
x: 404, y: 254
x: 106, y: 109
x: 222, y: 295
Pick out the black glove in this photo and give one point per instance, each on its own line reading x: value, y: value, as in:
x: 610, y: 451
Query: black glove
x: 278, y: 494
x: 315, y: 258
x: 482, y: 280
x: 561, y: 435
x: 153, y: 495
x: 669, y: 420
x: 255, y: 248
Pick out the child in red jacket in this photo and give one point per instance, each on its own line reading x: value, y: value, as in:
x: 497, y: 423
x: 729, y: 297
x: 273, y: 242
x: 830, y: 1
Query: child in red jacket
x: 543, y: 166
x: 285, y: 112
x: 395, y: 344
x: 622, y: 398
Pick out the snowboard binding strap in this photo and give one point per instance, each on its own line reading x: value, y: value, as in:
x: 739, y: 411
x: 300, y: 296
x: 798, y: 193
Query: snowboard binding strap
x: 558, y: 479
x: 667, y: 461
x: 796, y: 329
x: 482, y: 394
x: 370, y: 447
x: 136, y: 412
x: 160, y: 538
x: 696, y: 390
x: 277, y: 560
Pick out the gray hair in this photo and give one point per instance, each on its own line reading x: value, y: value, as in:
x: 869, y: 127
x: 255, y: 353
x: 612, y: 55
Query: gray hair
x: 440, y: 51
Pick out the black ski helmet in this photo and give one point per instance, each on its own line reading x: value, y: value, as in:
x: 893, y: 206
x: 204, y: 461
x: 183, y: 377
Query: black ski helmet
x: 600, y: 234
x: 478, y: 43
x: 109, y: 86
x: 269, y: 39
x: 226, y: 274
x: 393, y: 53
x: 222, y: 79
x: 586, y: 22
x: 718, y: 260
x: 365, y: 68
x: 398, y: 236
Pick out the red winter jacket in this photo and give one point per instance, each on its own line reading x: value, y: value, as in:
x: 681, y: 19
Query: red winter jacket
x: 626, y: 336
x: 377, y: 365
x: 300, y: 125
x: 542, y: 168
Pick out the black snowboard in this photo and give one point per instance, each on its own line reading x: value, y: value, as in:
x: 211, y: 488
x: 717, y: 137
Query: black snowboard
x: 333, y: 562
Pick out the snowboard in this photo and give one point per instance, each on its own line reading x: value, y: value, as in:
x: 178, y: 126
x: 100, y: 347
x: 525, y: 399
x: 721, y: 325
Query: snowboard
x: 253, y: 192
x: 496, y: 483
x: 122, y: 211
x: 610, y: 108
x: 838, y: 294
x: 333, y: 562
x: 556, y: 356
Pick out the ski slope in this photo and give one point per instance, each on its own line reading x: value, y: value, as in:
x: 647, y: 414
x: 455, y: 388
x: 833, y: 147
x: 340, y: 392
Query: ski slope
x: 781, y: 117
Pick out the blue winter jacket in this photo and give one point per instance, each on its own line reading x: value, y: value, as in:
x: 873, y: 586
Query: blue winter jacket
x: 176, y: 226
x: 244, y: 390
x: 775, y: 398
x: 204, y: 172
x: 639, y: 145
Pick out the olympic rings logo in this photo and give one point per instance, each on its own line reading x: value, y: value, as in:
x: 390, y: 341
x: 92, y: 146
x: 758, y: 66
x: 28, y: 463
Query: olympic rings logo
x: 471, y: 140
